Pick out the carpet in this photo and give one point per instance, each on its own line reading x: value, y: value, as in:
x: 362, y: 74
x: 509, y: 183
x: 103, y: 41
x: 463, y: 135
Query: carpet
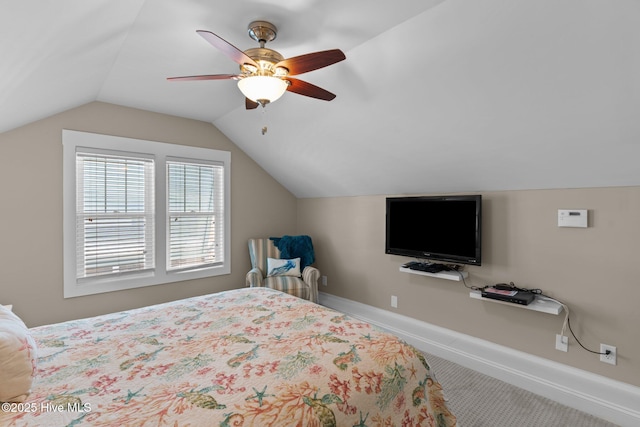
x: 478, y: 400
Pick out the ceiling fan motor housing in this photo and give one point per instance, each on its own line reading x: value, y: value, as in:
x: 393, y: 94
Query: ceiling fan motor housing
x: 266, y: 59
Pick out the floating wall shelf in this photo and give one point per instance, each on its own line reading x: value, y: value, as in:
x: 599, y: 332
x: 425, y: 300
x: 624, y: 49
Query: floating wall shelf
x: 449, y: 275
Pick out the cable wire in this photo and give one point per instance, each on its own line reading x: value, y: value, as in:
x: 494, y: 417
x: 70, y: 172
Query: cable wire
x: 460, y: 272
x: 566, y: 324
x: 578, y: 341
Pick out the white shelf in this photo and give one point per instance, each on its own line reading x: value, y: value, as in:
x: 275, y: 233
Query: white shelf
x: 449, y: 275
x: 538, y: 304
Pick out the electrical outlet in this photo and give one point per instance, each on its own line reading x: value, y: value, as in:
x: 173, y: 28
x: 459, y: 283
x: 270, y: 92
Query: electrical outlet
x: 562, y: 343
x: 394, y: 301
x: 610, y: 358
x: 324, y: 280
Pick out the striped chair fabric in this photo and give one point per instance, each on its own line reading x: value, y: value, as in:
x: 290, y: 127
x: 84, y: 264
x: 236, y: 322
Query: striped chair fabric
x: 305, y: 287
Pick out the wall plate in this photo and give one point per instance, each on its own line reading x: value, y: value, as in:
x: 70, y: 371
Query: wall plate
x: 562, y: 343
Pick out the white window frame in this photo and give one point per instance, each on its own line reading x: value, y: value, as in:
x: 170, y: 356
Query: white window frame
x: 74, y: 141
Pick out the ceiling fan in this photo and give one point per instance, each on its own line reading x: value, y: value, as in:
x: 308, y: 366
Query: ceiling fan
x: 264, y: 73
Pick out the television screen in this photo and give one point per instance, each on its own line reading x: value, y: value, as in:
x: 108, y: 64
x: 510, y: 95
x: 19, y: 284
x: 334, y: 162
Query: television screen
x: 438, y: 228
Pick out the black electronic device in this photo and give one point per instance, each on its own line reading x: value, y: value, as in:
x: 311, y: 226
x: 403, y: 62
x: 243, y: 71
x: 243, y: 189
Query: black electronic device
x: 438, y: 228
x: 512, y: 295
x: 427, y: 267
x: 409, y: 264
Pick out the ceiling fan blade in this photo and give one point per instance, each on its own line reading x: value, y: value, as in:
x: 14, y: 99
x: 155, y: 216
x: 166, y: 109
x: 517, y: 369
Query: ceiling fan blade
x: 311, y: 61
x: 206, y: 77
x: 227, y: 48
x: 249, y: 104
x: 307, y: 89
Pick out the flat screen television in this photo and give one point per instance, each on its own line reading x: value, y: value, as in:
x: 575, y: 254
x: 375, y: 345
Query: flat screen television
x: 435, y: 228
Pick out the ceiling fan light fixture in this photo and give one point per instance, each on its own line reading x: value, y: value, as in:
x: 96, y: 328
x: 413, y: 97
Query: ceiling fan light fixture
x: 262, y: 89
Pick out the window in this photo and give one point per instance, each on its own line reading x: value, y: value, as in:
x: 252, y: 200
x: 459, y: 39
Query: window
x: 114, y: 214
x: 140, y: 213
x: 195, y: 215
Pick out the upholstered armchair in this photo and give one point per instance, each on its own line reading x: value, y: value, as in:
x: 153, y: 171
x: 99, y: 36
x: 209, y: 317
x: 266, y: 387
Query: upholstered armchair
x: 303, y: 286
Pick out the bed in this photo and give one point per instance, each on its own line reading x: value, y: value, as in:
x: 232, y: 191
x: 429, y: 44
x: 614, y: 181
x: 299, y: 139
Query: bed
x: 247, y: 357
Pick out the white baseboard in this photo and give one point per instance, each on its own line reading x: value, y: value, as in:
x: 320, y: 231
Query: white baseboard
x: 594, y: 394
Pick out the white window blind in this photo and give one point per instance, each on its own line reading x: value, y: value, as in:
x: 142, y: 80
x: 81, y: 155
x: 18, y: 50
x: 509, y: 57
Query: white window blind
x: 195, y: 229
x: 114, y: 214
x: 142, y: 213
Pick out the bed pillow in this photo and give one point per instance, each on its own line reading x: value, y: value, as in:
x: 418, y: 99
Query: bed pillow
x: 283, y: 267
x: 18, y: 356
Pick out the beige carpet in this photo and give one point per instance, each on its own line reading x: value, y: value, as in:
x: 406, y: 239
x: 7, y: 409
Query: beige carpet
x: 478, y: 400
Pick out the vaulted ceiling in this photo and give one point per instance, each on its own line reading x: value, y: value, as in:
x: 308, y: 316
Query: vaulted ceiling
x: 434, y: 96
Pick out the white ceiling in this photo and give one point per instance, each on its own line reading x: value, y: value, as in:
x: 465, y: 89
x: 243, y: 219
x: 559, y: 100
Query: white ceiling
x: 435, y: 95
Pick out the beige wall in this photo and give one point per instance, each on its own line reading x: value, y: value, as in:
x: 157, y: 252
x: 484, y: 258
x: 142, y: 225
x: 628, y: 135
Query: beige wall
x: 31, y: 213
x: 594, y: 270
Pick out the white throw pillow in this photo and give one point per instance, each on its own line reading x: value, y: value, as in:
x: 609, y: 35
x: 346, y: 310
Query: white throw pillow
x: 283, y: 267
x: 18, y: 357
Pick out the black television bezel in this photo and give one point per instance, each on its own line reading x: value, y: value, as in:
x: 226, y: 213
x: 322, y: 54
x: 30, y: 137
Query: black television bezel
x: 438, y: 257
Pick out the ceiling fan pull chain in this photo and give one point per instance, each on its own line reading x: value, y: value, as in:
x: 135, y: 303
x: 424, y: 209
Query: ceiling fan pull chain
x: 264, y: 120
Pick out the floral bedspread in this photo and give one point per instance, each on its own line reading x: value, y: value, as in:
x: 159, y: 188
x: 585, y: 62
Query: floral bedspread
x: 248, y: 357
